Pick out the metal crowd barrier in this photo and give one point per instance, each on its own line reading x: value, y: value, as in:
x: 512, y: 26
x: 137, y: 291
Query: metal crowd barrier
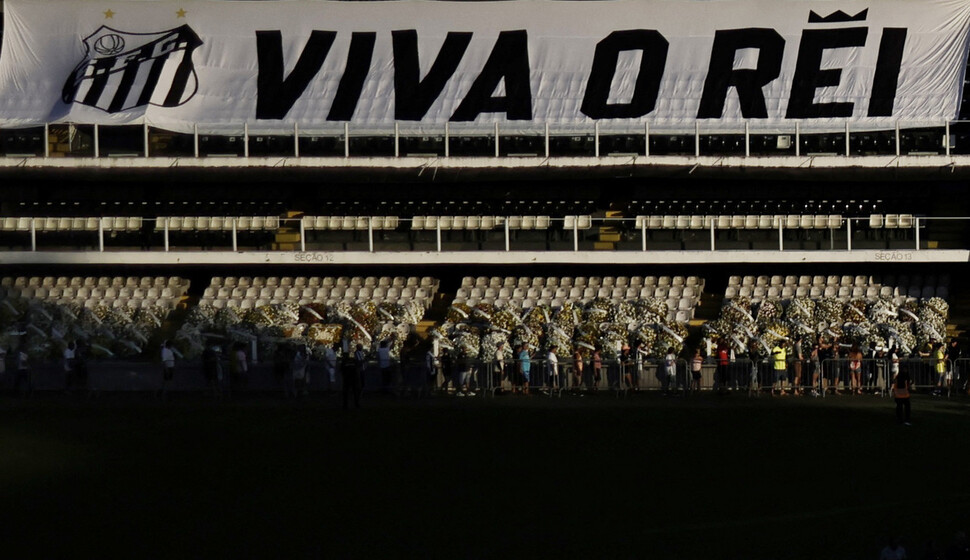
x: 741, y: 374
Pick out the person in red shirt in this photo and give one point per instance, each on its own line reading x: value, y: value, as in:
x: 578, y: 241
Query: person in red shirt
x: 723, y: 363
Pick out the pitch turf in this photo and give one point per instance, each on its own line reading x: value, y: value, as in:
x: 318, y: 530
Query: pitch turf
x: 591, y: 477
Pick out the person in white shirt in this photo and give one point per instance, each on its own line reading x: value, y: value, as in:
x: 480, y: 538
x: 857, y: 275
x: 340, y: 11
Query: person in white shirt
x: 552, y: 366
x: 68, y: 355
x: 168, y: 367
x: 384, y: 362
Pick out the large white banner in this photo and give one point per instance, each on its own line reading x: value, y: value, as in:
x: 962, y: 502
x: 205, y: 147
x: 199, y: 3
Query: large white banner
x: 316, y: 64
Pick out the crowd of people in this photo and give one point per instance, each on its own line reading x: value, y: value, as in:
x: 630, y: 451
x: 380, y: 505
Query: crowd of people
x: 797, y: 367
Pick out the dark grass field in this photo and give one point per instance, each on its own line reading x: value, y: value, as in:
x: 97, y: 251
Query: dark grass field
x: 593, y: 477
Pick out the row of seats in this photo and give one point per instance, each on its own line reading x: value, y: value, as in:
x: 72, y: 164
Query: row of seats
x: 349, y: 223
x: 749, y: 221
x: 248, y: 292
x: 569, y: 281
x: 890, y: 221
x: 680, y: 310
x: 480, y: 222
x: 836, y: 280
x: 217, y: 223
x: 427, y: 282
x: 579, y: 292
x: 842, y: 292
x: 96, y: 293
x: 145, y: 282
x: 90, y: 292
x: 317, y: 293
x: 89, y: 223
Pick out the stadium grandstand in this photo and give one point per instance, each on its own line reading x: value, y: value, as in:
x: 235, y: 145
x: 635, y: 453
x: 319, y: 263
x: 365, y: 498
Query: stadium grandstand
x: 158, y: 188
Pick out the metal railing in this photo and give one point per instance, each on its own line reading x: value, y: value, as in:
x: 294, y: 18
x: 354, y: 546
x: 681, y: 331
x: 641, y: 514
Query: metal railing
x: 742, y: 375
x: 506, y: 140
x: 559, y: 234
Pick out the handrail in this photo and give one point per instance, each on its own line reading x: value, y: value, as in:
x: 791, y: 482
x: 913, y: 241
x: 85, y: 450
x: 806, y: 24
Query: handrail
x: 704, y: 139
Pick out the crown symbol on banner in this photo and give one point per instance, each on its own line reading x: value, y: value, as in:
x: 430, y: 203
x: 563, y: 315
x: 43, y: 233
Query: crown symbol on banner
x: 837, y: 17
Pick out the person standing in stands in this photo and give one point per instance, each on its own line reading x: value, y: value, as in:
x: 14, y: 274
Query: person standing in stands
x: 525, y: 366
x: 238, y: 364
x: 352, y: 373
x: 816, y: 359
x: 168, y: 368
x: 330, y: 365
x: 68, y: 362
x: 954, y: 353
x: 939, y: 368
x: 578, y: 372
x: 670, y: 370
x: 799, y: 357
x: 626, y: 367
x: 360, y: 362
x: 901, y: 385
x: 779, y: 357
x: 464, y: 373
x: 552, y: 367
x: 430, y: 369
x: 299, y: 372
x: 855, y: 369
x: 384, y: 363
x: 723, y: 364
x: 696, y: 365
x: 498, y: 367
x: 596, y: 362
x: 640, y: 357
x: 212, y: 368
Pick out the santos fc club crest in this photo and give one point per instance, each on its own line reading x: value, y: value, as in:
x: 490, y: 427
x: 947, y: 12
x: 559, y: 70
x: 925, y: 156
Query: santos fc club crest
x: 122, y: 71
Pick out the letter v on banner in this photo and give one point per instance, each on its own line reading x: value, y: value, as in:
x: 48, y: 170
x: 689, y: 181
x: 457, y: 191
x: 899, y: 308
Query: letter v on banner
x: 275, y: 95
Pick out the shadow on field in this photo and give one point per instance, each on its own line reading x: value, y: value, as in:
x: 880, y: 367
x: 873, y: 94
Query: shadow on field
x: 645, y: 476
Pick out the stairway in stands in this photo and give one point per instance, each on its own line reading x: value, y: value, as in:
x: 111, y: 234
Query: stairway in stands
x: 608, y: 236
x: 288, y: 235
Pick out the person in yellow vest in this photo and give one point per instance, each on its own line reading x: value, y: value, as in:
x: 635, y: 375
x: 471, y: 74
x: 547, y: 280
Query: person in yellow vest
x: 939, y: 366
x: 780, y: 360
x: 901, y: 395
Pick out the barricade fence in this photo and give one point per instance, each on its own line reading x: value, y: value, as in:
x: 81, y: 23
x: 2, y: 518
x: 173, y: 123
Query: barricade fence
x: 555, y: 233
x: 870, y: 375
